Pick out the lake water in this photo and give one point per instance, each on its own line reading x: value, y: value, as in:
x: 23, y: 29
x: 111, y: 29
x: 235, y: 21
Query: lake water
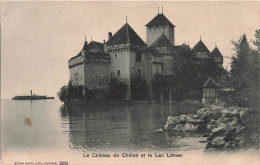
x: 45, y: 125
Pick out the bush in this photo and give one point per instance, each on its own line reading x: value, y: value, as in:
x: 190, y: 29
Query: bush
x: 75, y: 91
x: 117, y: 89
x: 139, y: 89
x: 63, y: 93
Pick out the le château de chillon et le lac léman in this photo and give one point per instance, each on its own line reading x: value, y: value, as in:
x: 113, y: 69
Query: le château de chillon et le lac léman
x: 125, y: 54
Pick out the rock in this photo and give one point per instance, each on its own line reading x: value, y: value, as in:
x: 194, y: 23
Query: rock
x: 224, y: 113
x: 188, y: 127
x: 180, y: 127
x: 182, y: 119
x: 171, y: 122
x: 216, y: 114
x: 202, y: 128
x: 189, y: 115
x: 195, y: 121
x: 247, y: 118
x: 209, y: 126
x: 235, y: 121
x: 208, y: 150
x: 234, y: 113
x: 202, y: 113
x: 240, y: 130
x: 230, y: 135
x: 240, y: 141
x: 205, y: 135
x: 229, y: 146
x: 218, y: 142
x: 226, y: 120
x: 158, y: 130
x: 195, y: 117
x: 218, y: 131
x: 208, y: 145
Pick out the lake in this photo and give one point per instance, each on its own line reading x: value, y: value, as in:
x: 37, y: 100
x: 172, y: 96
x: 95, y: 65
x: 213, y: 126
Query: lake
x: 44, y: 125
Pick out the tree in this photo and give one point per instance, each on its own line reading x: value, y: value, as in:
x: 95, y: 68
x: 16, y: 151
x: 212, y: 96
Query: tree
x: 74, y: 91
x: 117, y: 89
x: 139, y: 88
x: 185, y: 76
x: 245, y: 73
x: 63, y: 93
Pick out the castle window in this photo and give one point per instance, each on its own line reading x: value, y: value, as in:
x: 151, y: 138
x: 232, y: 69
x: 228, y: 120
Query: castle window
x: 138, y: 57
x: 118, y: 72
x: 139, y: 72
x: 115, y: 55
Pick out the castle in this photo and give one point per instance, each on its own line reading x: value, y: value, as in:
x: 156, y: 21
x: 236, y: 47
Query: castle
x: 125, y: 54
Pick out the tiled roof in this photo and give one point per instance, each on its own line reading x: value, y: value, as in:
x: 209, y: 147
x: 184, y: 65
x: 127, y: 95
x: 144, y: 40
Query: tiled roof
x: 85, y: 47
x: 200, y: 47
x: 211, y: 83
x: 92, y: 45
x: 160, y: 19
x: 93, y: 55
x: 216, y: 53
x: 162, y: 41
x: 126, y: 35
x: 96, y: 45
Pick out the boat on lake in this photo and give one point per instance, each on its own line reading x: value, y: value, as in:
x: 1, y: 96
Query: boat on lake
x: 32, y: 97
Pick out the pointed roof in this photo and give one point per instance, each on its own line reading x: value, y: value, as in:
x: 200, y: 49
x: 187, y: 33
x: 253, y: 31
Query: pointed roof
x: 216, y: 53
x: 126, y: 35
x: 162, y: 41
x: 96, y: 45
x: 160, y: 19
x: 200, y: 47
x: 85, y: 47
x: 92, y: 45
x: 211, y: 83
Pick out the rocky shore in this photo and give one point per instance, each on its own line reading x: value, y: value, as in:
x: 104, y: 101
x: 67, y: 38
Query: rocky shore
x: 224, y: 129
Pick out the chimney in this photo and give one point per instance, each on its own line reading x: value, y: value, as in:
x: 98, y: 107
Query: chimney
x: 104, y: 41
x: 109, y: 35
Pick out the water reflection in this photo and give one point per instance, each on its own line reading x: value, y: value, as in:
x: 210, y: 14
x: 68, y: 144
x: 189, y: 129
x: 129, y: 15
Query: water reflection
x: 121, y: 127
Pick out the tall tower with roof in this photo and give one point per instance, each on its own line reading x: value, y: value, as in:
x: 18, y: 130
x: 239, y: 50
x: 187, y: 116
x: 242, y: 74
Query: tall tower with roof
x: 157, y: 26
x: 126, y: 49
x: 201, y: 51
x: 217, y: 56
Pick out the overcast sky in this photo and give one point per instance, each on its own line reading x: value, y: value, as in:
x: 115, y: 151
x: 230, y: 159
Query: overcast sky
x: 38, y: 38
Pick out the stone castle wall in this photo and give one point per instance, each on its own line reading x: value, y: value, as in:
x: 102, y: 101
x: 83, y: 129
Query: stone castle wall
x: 153, y: 33
x: 97, y: 74
x: 77, y: 74
x: 120, y: 62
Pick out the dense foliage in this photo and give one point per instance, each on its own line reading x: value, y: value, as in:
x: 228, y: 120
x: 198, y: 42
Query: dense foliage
x: 117, y: 89
x: 245, y: 72
x: 190, y: 75
x: 139, y: 88
x: 63, y: 93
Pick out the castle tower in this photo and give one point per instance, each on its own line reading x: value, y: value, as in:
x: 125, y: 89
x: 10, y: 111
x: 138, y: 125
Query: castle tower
x: 217, y: 56
x: 201, y: 51
x: 91, y: 67
x: 157, y: 26
x: 125, y: 48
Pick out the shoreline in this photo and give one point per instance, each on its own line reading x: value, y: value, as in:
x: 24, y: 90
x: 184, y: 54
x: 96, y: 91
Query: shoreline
x: 120, y: 102
x: 225, y: 129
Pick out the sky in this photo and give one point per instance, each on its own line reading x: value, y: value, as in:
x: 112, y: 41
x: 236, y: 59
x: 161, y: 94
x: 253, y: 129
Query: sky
x: 38, y: 38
